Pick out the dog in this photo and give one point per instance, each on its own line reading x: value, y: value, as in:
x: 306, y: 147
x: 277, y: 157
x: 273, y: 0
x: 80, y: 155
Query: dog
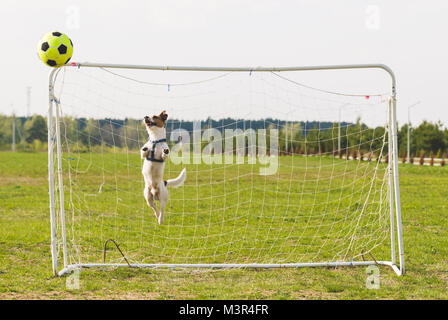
x: 155, y: 153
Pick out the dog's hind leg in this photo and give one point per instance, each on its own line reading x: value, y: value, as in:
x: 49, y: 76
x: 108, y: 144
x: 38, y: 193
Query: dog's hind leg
x: 162, y: 211
x: 163, y: 198
x: 150, y: 200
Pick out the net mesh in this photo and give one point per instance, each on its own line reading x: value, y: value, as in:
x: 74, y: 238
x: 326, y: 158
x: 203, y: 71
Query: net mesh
x: 313, y: 189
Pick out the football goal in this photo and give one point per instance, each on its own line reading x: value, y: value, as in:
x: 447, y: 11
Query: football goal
x: 285, y: 167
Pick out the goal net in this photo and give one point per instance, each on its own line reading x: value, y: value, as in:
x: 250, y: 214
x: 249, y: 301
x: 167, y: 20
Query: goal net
x: 285, y: 167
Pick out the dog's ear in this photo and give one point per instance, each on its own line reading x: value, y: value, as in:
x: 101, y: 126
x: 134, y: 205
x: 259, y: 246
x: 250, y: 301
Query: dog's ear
x: 163, y: 115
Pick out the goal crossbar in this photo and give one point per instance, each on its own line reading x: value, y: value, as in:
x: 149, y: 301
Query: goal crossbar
x: 53, y: 141
x: 238, y: 69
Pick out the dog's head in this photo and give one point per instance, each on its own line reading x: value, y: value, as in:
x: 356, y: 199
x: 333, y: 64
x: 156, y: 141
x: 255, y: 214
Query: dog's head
x: 156, y: 121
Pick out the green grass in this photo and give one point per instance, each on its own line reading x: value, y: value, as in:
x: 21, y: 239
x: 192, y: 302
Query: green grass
x: 222, y: 222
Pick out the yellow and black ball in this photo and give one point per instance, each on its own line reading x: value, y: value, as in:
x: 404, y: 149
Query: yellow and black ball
x: 55, y: 49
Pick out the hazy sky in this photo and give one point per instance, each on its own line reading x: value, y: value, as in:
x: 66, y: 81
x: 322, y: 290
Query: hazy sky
x: 409, y: 36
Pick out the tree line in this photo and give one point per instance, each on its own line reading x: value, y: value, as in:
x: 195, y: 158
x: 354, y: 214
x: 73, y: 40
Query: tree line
x: 427, y: 139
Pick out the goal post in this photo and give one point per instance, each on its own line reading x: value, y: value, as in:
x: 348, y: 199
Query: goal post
x: 318, y: 208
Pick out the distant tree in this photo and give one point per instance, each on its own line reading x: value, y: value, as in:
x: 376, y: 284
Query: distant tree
x: 312, y: 139
x: 133, y: 134
x: 377, y: 139
x: 445, y: 138
x: 110, y: 133
x: 403, y: 140
x: 354, y: 154
x: 91, y: 134
x: 422, y: 157
x: 429, y: 137
x: 3, y: 130
x: 403, y: 158
x: 36, y: 129
x: 70, y: 128
x: 291, y: 133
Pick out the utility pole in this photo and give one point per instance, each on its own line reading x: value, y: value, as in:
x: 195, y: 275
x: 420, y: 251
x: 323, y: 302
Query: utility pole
x: 409, y: 129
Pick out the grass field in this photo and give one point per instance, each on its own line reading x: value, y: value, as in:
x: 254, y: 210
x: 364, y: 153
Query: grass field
x: 210, y: 227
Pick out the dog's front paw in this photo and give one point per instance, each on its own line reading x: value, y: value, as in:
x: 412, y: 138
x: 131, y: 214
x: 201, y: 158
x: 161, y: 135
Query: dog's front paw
x: 144, y: 152
x: 165, y: 154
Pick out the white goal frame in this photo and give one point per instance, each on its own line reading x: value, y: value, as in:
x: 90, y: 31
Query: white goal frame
x: 54, y: 141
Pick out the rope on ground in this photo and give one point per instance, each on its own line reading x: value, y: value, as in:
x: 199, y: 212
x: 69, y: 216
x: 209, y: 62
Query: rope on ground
x: 105, y: 247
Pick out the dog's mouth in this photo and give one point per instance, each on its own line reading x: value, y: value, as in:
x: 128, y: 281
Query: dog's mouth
x: 149, y: 122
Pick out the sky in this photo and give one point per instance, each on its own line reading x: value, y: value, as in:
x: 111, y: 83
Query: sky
x: 408, y: 36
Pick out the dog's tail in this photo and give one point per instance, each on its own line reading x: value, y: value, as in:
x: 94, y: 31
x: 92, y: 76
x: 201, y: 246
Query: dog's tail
x: 178, y: 181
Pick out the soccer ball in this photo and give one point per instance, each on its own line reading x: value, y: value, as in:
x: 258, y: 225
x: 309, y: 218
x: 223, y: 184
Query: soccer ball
x: 55, y: 49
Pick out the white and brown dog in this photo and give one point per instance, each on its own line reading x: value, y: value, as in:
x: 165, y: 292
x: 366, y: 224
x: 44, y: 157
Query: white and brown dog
x: 155, y: 152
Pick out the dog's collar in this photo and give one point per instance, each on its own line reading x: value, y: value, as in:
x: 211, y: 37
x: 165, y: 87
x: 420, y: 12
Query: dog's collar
x: 158, y: 141
x: 154, y: 143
